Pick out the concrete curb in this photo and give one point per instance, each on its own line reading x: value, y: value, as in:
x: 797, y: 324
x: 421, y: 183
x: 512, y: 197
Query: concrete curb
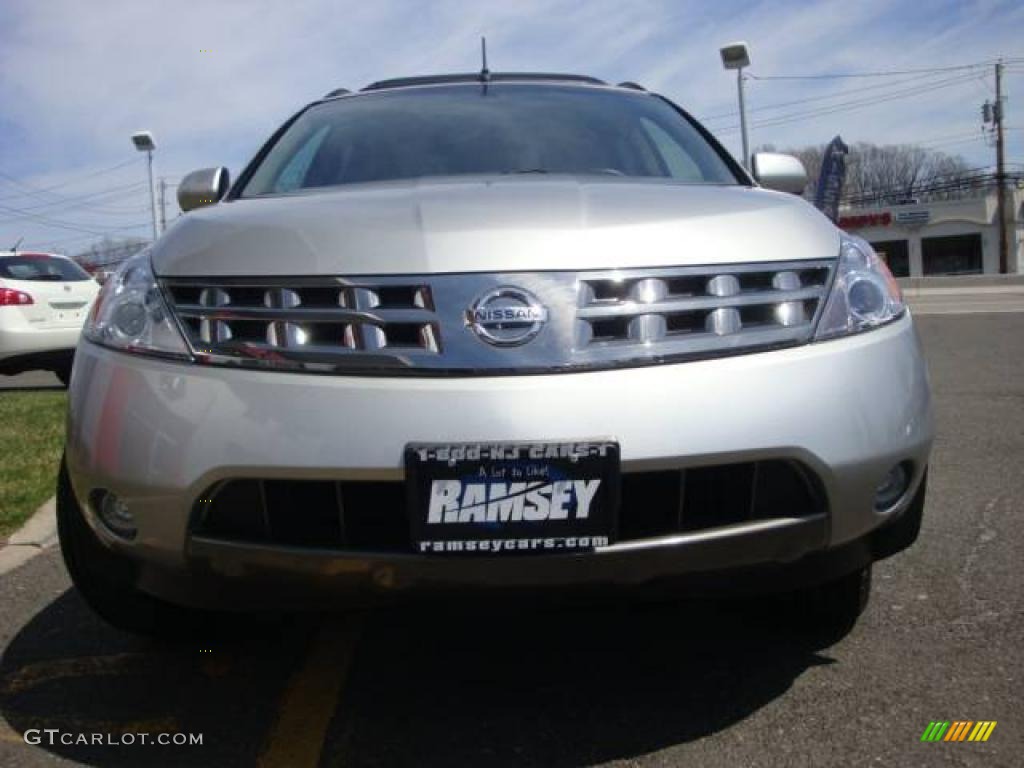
x: 37, y: 535
x: 964, y: 283
x: 992, y: 290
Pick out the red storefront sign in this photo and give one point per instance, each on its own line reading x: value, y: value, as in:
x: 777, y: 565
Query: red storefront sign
x: 883, y: 219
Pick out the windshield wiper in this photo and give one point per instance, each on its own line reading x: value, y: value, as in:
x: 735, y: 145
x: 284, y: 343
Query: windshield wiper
x: 588, y: 171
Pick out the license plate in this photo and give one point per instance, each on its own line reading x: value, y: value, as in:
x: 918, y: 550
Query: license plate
x: 512, y: 498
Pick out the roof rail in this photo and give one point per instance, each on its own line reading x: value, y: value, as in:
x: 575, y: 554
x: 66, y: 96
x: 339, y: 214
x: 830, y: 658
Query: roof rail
x: 337, y: 92
x: 630, y: 84
x: 474, y: 77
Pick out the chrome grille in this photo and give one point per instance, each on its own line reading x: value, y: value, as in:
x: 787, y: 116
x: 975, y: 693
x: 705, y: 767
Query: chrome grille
x: 418, y: 324
x: 307, y: 321
x: 692, y: 310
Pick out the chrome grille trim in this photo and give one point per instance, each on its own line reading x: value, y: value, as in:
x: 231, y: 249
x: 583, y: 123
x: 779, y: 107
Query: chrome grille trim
x: 695, y: 310
x: 668, y: 306
x: 303, y: 321
x: 416, y: 324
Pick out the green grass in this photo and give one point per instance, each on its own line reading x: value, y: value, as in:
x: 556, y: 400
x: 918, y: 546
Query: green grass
x: 31, y: 439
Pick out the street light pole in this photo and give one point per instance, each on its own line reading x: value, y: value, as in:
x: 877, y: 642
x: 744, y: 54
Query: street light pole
x: 736, y: 56
x: 143, y: 141
x: 163, y: 205
x: 152, y: 193
x: 743, y: 119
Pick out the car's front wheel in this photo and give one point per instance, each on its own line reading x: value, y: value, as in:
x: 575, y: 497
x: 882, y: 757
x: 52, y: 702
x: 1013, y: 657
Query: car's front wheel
x: 64, y: 374
x: 106, y: 580
x: 835, y: 606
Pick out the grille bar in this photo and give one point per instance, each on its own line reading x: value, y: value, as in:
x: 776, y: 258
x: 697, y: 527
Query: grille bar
x: 307, y: 314
x: 420, y: 324
x: 701, y: 310
x: 671, y: 306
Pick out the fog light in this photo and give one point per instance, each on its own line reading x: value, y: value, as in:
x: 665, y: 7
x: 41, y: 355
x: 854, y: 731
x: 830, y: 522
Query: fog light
x: 893, y: 486
x: 115, y: 515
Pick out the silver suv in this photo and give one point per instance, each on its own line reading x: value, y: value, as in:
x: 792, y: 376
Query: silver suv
x: 464, y: 333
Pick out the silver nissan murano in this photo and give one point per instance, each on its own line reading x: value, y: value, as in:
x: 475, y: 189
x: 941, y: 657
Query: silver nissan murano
x: 491, y: 333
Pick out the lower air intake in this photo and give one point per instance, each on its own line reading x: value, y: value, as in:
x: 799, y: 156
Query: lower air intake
x: 371, y: 517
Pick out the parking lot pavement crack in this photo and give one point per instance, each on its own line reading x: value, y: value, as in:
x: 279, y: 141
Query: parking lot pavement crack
x: 978, y: 608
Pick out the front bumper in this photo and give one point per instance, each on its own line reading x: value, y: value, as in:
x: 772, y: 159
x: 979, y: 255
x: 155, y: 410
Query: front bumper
x: 159, y: 433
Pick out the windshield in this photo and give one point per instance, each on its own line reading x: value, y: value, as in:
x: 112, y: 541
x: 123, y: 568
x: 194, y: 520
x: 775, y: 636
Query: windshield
x: 506, y: 128
x: 41, y: 267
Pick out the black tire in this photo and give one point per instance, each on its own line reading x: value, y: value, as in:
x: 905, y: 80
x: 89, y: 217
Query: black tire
x: 64, y: 374
x: 106, y: 580
x: 834, y: 607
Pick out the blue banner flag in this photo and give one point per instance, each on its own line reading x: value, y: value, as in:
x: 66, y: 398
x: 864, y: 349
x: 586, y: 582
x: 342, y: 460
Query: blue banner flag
x: 830, y: 183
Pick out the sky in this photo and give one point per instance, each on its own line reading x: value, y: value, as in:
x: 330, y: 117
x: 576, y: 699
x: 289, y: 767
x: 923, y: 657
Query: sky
x: 213, y: 79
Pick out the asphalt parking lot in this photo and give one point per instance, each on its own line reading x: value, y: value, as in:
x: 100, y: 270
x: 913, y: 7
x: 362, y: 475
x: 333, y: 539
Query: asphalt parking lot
x: 711, y: 684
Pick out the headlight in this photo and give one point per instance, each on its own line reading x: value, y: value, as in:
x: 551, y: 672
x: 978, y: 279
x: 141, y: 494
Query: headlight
x: 864, y: 293
x: 130, y: 314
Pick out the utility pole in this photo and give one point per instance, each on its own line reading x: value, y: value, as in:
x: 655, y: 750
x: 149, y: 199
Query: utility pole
x: 163, y: 205
x: 997, y: 117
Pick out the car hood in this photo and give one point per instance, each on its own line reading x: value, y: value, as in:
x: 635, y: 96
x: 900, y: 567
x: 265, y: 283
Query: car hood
x: 489, y: 225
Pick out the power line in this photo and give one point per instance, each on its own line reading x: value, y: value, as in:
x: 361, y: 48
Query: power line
x: 864, y: 101
x: 51, y: 222
x: 955, y: 142
x: 941, y: 182
x: 881, y: 73
x: 37, y: 191
x: 39, y: 244
x: 852, y: 105
x: 936, y: 139
x: 828, y: 97
x: 89, y: 201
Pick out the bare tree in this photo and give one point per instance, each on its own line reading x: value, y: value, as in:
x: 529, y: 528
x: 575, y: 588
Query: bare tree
x: 110, y: 251
x: 890, y: 174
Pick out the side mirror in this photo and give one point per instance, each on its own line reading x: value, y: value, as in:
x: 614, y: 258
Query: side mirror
x: 782, y: 172
x: 204, y: 187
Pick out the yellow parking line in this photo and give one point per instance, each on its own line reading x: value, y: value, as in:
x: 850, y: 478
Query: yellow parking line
x: 10, y: 735
x: 310, y: 700
x: 31, y: 675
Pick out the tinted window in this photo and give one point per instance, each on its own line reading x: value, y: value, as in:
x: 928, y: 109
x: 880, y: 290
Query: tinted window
x: 509, y: 128
x: 896, y: 255
x: 953, y: 255
x: 31, y: 267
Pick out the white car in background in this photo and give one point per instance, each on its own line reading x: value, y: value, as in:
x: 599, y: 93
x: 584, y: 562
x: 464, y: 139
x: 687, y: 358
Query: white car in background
x: 44, y: 300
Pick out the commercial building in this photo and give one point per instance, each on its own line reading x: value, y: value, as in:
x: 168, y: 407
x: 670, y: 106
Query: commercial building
x: 943, y: 237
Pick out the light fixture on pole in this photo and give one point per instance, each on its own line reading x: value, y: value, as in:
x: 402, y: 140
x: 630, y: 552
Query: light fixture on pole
x: 736, y: 56
x: 143, y: 141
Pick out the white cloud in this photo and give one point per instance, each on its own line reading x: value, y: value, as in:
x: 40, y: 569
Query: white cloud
x: 213, y: 79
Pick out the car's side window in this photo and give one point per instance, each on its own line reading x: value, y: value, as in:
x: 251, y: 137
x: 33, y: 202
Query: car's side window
x: 294, y: 173
x: 680, y: 165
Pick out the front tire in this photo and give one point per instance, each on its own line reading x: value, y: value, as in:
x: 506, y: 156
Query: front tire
x: 106, y: 580
x: 64, y: 374
x: 835, y: 607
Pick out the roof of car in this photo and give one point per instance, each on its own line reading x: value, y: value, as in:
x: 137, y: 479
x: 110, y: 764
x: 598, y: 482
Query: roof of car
x: 468, y: 78
x: 476, y: 77
x: 34, y: 254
